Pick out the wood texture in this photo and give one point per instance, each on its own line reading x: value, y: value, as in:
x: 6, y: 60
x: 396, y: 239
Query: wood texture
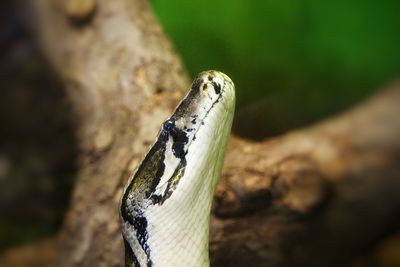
x: 123, y: 79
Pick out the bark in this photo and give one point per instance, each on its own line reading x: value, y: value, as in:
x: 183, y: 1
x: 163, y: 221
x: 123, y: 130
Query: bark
x: 123, y: 79
x: 319, y: 196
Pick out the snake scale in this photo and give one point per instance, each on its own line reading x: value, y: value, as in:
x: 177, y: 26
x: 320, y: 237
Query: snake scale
x: 165, y: 207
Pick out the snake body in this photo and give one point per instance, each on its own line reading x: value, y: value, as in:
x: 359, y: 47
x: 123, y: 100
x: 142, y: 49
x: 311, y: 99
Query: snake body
x: 165, y: 207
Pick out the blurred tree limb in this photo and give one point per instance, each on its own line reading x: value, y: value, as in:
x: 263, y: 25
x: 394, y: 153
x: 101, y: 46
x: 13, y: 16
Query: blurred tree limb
x: 314, y: 197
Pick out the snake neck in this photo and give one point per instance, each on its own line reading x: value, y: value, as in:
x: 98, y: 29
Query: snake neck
x: 165, y: 209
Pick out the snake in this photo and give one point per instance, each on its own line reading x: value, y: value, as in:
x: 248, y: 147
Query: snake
x: 166, y: 204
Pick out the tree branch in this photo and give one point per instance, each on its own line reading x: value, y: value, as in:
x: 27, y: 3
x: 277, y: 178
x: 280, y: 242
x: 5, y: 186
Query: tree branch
x: 314, y: 197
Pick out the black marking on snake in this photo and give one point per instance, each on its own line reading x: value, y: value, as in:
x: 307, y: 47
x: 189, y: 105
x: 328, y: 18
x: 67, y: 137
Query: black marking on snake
x: 159, y: 147
x: 168, y: 126
x: 156, y: 180
x: 155, y: 199
x: 173, y: 182
x: 180, y: 139
x: 154, y: 159
x: 217, y: 88
x: 140, y: 224
x: 171, y: 185
x: 196, y: 85
x: 130, y: 258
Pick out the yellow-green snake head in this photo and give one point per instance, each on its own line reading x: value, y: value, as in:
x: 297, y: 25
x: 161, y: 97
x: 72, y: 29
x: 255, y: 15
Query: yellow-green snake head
x: 165, y: 207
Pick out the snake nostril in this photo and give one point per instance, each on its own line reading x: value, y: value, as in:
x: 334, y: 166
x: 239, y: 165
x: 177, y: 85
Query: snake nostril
x: 217, y: 88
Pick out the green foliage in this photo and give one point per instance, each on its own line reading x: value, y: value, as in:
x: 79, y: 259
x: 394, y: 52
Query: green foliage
x: 293, y: 62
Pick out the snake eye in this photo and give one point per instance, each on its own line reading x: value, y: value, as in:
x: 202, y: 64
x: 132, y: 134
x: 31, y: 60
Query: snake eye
x: 169, y: 125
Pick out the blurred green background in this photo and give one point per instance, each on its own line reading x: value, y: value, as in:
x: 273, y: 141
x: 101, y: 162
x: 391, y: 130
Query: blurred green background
x: 293, y: 62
